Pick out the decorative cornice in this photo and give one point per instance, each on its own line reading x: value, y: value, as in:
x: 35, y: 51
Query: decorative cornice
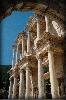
x: 55, y: 42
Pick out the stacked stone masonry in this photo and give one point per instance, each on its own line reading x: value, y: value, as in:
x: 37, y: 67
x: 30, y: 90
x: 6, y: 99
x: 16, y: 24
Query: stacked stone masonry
x: 37, y: 59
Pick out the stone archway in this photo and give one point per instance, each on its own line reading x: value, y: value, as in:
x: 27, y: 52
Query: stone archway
x: 41, y: 8
x: 21, y: 5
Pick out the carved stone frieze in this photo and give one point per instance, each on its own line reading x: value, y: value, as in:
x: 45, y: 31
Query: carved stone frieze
x: 53, y: 40
x: 44, y: 50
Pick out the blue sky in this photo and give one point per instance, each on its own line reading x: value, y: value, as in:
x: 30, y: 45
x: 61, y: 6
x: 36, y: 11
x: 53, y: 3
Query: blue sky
x: 9, y: 29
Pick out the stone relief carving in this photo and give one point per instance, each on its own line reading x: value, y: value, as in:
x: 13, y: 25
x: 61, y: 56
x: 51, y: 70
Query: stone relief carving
x: 58, y: 28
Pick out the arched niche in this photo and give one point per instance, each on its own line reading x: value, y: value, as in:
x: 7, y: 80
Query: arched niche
x: 55, y: 24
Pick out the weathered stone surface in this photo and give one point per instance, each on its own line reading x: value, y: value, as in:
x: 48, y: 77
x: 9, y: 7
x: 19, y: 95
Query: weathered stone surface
x: 9, y: 5
x: 42, y: 48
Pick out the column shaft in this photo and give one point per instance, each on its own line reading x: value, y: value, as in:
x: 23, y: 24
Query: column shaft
x: 31, y: 86
x: 10, y: 90
x: 21, y: 86
x: 47, y: 24
x: 23, y: 45
x: 53, y: 80
x: 38, y: 29
x: 15, y: 90
x: 13, y: 58
x: 40, y: 79
x: 17, y: 53
x: 28, y: 93
x: 28, y: 42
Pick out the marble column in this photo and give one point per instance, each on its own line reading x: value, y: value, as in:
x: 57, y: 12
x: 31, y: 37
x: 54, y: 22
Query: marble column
x: 38, y: 29
x: 28, y: 42
x: 28, y: 92
x: 21, y: 85
x: 16, y: 53
x: 40, y: 79
x: 31, y: 79
x: 23, y: 46
x: 53, y: 79
x: 47, y: 23
x: 15, y: 86
x: 10, y: 89
x: 13, y: 57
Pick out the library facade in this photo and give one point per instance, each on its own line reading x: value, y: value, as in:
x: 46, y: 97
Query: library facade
x: 38, y: 58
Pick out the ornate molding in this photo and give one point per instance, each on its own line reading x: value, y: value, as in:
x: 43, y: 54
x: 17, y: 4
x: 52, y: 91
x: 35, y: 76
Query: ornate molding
x: 55, y: 42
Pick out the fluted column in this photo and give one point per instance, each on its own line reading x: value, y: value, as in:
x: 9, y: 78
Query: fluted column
x: 28, y: 42
x: 15, y: 86
x: 28, y: 92
x: 21, y: 85
x: 10, y: 89
x: 13, y: 57
x: 53, y: 80
x: 38, y: 28
x: 40, y: 79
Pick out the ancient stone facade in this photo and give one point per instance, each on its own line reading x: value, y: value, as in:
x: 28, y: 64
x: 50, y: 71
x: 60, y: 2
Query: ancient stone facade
x: 37, y: 64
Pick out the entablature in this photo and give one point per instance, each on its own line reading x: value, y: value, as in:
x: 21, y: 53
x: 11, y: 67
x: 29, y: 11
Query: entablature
x: 28, y: 58
x: 55, y: 42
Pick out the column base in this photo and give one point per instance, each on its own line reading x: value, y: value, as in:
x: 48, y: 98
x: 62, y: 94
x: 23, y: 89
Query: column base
x: 9, y: 96
x: 42, y: 97
x: 14, y: 97
x: 55, y: 95
x: 28, y: 97
x: 21, y: 97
